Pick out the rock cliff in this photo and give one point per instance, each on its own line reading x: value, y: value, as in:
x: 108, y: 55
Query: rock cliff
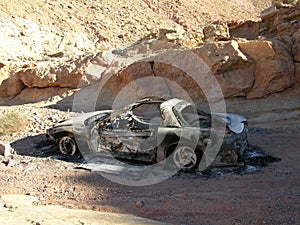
x: 249, y: 59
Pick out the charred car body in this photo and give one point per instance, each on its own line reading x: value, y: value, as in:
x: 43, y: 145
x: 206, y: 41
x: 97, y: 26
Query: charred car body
x: 152, y: 130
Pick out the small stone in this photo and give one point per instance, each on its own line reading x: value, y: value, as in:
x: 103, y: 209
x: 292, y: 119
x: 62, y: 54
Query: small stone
x: 9, y: 162
x: 5, y: 149
x: 140, y: 204
x: 8, y: 206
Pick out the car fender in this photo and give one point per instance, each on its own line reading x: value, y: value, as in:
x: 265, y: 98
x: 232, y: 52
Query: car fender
x: 235, y: 122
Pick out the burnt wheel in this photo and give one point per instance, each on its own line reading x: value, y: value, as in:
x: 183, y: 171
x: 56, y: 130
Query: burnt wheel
x: 186, y: 158
x: 67, y: 146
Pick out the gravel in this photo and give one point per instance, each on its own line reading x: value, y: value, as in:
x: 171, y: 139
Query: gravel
x: 39, y: 119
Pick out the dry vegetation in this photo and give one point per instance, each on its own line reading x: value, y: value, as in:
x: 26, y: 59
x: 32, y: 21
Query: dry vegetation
x: 12, y: 122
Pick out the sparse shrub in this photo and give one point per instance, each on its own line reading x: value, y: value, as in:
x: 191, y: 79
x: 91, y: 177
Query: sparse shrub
x: 12, y: 122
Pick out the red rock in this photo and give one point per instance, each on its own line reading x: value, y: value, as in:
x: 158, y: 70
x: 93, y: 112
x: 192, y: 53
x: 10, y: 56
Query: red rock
x: 236, y: 82
x: 32, y: 95
x: 10, y: 87
x: 5, y: 149
x: 296, y: 46
x: 274, y: 67
x: 216, y: 32
x: 223, y: 56
x: 297, y: 73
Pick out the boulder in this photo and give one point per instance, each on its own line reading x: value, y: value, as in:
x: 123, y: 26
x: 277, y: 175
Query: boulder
x: 284, y: 3
x: 236, y: 83
x: 177, y: 82
x: 296, y: 46
x: 281, y: 18
x: 144, y: 79
x: 65, y: 75
x: 38, y: 76
x: 32, y: 95
x: 216, y: 32
x: 189, y: 39
x: 46, y: 74
x: 296, y: 52
x: 244, y: 29
x: 297, y: 73
x: 269, y: 12
x: 258, y: 50
x: 11, y: 86
x: 274, y: 67
x: 223, y: 56
x: 192, y: 39
x: 5, y: 149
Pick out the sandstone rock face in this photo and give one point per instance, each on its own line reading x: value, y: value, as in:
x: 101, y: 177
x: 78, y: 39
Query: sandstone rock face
x: 175, y: 74
x: 28, y: 39
x: 236, y: 83
x: 251, y: 59
x: 297, y: 73
x: 32, y: 95
x: 223, y: 56
x: 41, y: 80
x: 283, y: 19
x: 232, y: 68
x: 71, y: 75
x: 245, y: 68
x: 284, y: 3
x: 296, y: 46
x: 216, y: 32
x: 244, y: 29
x: 39, y: 30
x: 188, y: 39
x: 258, y: 50
x: 296, y: 51
x: 274, y: 67
x: 11, y: 87
x: 144, y: 79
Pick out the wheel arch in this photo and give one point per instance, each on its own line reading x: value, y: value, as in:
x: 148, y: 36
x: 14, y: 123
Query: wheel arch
x: 61, y: 134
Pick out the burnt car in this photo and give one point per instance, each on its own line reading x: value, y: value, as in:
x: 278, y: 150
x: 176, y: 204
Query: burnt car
x: 152, y: 130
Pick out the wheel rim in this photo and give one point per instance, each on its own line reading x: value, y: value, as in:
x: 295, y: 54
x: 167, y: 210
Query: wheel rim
x: 185, y: 157
x: 67, y: 146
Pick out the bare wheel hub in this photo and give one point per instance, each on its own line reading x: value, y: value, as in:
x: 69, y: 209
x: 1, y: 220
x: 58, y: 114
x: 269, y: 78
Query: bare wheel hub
x: 185, y: 157
x: 67, y: 146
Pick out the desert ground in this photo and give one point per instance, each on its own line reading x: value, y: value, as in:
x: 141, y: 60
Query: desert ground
x: 268, y: 196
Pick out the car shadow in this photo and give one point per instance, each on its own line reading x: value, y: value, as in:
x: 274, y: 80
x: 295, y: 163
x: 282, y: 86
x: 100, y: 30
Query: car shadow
x: 40, y: 146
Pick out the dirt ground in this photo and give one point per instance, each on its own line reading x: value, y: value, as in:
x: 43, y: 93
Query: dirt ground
x: 270, y: 196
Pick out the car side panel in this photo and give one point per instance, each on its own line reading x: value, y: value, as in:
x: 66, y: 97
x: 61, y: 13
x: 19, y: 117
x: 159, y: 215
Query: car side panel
x: 134, y: 144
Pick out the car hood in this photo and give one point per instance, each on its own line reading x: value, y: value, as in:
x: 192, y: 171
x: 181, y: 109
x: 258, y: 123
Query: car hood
x: 234, y: 122
x: 79, y: 120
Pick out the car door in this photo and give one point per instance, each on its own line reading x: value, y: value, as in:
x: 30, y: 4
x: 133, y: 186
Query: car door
x: 123, y: 140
